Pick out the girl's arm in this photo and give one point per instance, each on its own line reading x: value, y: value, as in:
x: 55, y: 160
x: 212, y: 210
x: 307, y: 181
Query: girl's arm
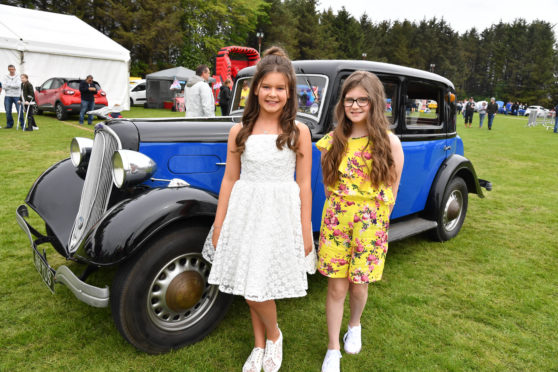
x: 232, y: 173
x: 323, y: 152
x: 304, y: 181
x: 398, y: 158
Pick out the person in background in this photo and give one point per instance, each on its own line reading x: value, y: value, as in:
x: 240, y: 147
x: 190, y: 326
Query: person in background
x: 469, y: 111
x: 12, y: 86
x: 225, y: 97
x: 492, y: 109
x: 556, y: 119
x: 482, y: 113
x: 244, y: 94
x: 198, y: 95
x: 87, y: 89
x: 27, y: 101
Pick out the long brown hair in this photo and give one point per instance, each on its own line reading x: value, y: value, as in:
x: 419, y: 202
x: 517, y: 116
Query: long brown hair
x: 383, y: 165
x: 275, y: 60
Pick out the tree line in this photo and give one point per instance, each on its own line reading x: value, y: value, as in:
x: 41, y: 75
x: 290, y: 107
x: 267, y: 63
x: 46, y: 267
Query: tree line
x: 512, y: 61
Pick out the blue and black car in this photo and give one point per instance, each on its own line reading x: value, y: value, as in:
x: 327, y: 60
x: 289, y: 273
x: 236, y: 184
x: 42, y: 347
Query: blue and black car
x: 141, y: 196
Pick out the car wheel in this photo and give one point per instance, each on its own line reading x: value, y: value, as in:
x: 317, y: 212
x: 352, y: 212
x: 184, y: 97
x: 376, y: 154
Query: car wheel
x: 61, y: 114
x: 161, y: 300
x: 36, y: 110
x: 131, y: 102
x: 453, y: 210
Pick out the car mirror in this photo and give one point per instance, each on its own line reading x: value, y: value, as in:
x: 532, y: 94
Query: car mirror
x: 38, y: 89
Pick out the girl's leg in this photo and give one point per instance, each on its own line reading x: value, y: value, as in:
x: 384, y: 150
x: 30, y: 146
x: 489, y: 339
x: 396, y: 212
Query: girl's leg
x: 358, y: 295
x: 266, y: 314
x: 259, y: 329
x: 336, y: 292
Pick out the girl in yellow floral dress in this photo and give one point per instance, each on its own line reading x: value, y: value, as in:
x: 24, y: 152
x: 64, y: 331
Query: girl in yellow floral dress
x: 361, y: 166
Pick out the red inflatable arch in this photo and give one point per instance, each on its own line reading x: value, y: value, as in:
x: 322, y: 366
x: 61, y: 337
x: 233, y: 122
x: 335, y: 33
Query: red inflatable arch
x: 232, y: 59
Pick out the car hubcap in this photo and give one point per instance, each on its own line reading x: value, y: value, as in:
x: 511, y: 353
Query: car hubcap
x: 179, y: 295
x: 453, y: 210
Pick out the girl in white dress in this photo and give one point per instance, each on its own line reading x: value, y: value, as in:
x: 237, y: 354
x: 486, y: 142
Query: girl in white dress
x: 262, y: 231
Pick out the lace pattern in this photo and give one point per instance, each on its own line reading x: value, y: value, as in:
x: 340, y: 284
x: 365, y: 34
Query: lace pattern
x: 260, y: 251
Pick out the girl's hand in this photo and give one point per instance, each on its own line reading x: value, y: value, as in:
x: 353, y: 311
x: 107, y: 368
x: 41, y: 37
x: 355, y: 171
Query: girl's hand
x: 215, y: 236
x: 308, y: 242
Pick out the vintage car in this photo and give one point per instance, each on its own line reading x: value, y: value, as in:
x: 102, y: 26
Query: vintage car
x: 142, y: 196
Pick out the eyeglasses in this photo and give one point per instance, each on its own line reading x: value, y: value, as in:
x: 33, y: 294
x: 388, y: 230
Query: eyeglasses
x: 361, y: 101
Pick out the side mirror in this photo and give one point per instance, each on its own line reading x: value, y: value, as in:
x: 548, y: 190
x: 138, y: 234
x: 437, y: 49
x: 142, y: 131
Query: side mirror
x: 38, y: 89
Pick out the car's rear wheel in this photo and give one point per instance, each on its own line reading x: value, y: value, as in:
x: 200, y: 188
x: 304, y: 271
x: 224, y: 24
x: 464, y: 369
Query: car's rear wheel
x: 453, y: 210
x: 161, y: 299
x: 61, y: 114
x: 131, y: 102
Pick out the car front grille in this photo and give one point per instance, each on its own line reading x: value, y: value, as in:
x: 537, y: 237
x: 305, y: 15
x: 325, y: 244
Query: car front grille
x: 97, y: 186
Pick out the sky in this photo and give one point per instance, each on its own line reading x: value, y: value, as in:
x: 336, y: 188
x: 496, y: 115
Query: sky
x: 461, y: 16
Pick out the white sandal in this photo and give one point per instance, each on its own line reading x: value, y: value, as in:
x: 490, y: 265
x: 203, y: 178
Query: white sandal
x: 273, y: 354
x: 254, y: 361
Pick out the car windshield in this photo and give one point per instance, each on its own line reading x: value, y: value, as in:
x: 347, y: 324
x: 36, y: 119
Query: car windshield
x: 74, y: 84
x: 310, y: 91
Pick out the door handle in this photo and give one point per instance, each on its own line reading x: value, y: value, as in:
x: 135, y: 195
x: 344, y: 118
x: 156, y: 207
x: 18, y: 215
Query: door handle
x: 446, y: 148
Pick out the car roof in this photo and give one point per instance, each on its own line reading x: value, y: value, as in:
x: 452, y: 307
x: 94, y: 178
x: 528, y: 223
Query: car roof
x: 333, y: 67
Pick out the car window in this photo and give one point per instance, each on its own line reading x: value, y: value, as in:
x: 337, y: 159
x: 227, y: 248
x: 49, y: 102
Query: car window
x: 423, y: 105
x: 74, y: 84
x: 47, y: 84
x: 310, y: 91
x: 390, y: 89
x: 139, y: 88
x: 56, y: 83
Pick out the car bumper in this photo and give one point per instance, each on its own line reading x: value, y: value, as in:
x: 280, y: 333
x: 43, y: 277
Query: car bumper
x: 91, y: 295
x: 74, y: 108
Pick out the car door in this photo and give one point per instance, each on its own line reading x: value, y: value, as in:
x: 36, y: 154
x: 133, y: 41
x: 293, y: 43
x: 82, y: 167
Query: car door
x: 424, y: 139
x: 41, y: 94
x: 138, y: 94
x: 54, y: 91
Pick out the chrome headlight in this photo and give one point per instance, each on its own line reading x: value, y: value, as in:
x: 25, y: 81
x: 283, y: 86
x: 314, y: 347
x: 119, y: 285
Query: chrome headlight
x: 131, y: 167
x: 80, y: 149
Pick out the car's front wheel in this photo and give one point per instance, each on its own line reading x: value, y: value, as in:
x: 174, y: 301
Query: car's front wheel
x: 61, y: 114
x: 161, y: 299
x: 452, y: 211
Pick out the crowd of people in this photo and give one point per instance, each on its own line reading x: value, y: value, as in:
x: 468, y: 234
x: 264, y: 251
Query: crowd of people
x: 468, y: 109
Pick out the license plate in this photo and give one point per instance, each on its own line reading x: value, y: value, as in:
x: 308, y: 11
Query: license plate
x: 44, y: 270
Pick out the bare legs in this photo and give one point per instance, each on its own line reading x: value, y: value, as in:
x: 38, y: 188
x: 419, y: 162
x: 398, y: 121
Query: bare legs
x: 337, y: 289
x: 264, y: 321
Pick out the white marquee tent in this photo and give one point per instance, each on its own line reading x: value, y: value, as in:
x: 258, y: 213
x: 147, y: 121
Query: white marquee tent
x: 44, y: 45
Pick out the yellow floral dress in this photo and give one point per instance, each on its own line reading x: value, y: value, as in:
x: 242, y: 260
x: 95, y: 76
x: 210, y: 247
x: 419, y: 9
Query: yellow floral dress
x: 355, y: 218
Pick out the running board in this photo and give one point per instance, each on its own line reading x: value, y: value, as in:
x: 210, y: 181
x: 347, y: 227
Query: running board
x: 413, y: 226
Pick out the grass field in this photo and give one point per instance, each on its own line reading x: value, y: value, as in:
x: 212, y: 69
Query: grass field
x: 484, y: 301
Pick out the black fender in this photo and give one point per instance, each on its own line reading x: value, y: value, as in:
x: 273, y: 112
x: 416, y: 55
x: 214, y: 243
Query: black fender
x: 55, y: 196
x: 453, y: 166
x: 129, y: 224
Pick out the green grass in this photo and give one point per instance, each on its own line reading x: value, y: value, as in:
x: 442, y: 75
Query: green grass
x: 486, y: 300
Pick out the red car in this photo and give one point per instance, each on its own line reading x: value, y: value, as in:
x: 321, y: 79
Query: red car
x: 62, y: 96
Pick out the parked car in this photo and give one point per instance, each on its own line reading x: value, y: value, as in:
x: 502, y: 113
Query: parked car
x: 142, y: 195
x: 62, y: 96
x: 137, y: 93
x: 541, y: 111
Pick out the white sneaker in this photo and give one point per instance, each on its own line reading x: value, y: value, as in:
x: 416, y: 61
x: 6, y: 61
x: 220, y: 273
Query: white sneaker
x: 35, y: 128
x: 352, y: 340
x: 273, y: 354
x: 254, y: 361
x: 332, y: 361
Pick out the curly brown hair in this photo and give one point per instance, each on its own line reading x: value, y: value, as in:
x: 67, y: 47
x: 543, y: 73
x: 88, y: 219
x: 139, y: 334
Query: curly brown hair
x: 275, y: 60
x: 383, y: 166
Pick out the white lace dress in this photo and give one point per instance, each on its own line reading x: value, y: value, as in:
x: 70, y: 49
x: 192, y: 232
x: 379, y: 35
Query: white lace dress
x: 260, y: 252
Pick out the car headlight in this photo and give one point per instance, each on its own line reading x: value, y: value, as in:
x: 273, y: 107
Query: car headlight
x: 80, y: 149
x: 131, y: 167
